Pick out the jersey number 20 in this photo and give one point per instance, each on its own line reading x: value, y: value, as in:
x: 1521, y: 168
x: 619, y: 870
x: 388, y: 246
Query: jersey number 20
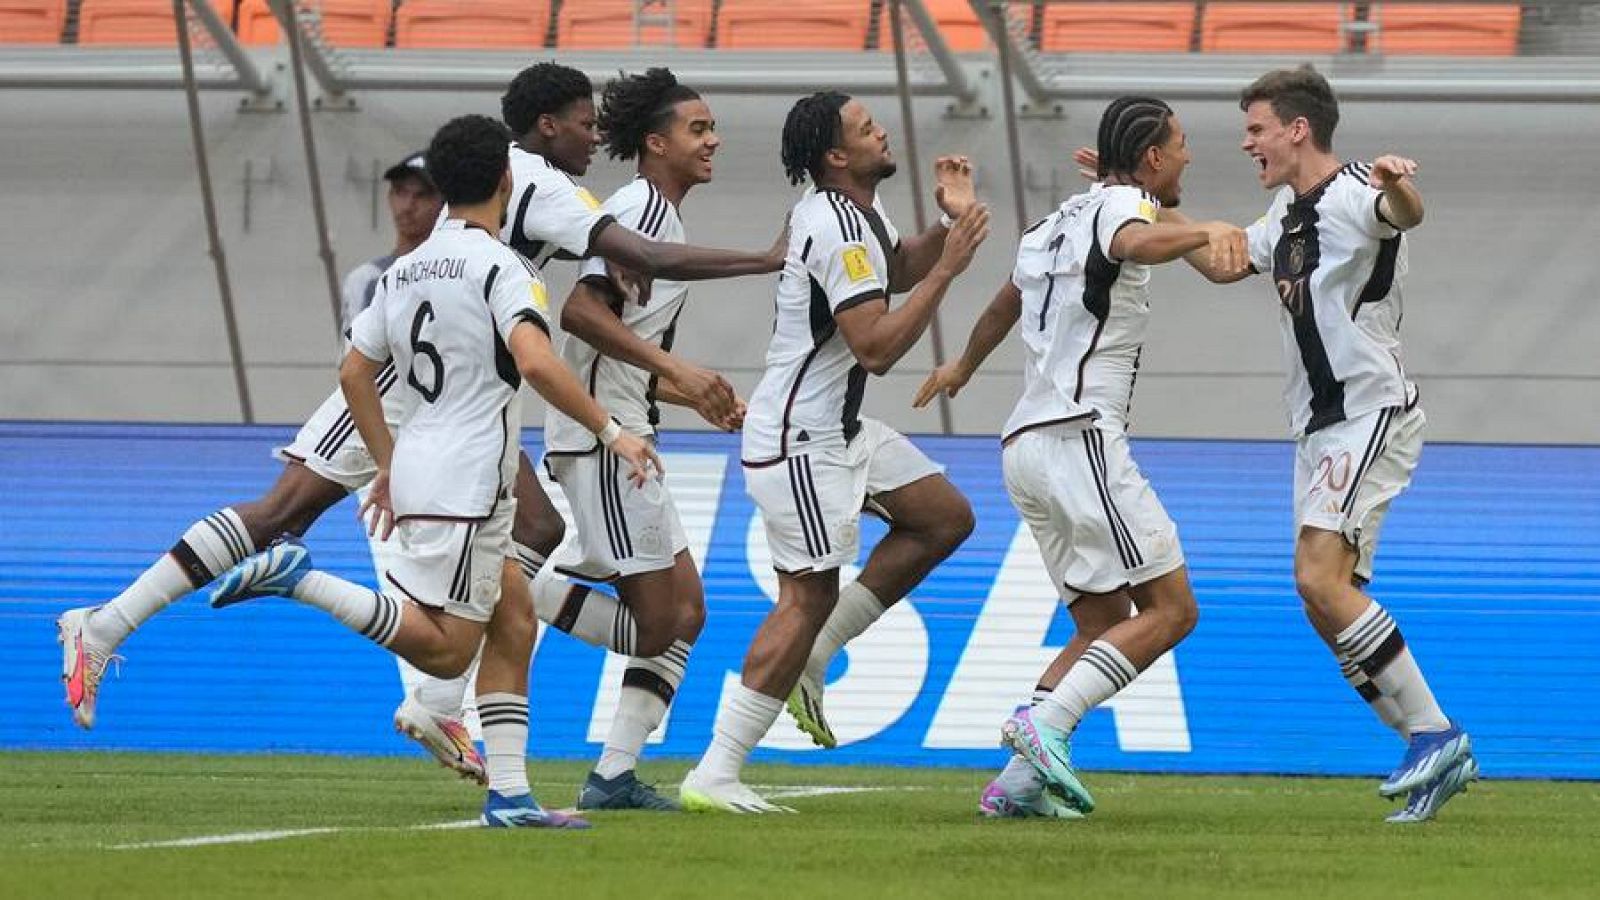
x: 421, y: 348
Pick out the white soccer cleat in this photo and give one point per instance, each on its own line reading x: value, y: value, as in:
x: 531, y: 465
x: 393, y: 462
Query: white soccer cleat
x: 700, y: 795
x: 445, y: 737
x: 83, y: 663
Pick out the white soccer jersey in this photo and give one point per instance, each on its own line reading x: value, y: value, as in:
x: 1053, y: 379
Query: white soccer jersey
x: 1337, y: 267
x: 1084, y: 314
x: 549, y: 213
x: 443, y: 313
x: 625, y: 391
x: 810, y: 394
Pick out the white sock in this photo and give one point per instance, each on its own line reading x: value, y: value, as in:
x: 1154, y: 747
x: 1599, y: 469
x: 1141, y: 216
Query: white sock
x: 855, y: 612
x: 1374, y: 642
x: 505, y: 741
x: 742, y: 722
x: 1098, y: 674
x: 648, y: 686
x: 583, y: 612
x: 208, y: 548
x: 443, y: 696
x: 362, y: 610
x: 1388, y: 710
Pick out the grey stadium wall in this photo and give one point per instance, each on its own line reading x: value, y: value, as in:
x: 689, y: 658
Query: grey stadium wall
x: 108, y: 307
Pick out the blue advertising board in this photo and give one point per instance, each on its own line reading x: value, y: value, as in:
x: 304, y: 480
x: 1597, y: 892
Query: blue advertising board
x: 1490, y: 563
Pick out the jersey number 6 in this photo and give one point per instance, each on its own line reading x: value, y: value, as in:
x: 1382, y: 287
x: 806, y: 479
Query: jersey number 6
x: 420, y: 348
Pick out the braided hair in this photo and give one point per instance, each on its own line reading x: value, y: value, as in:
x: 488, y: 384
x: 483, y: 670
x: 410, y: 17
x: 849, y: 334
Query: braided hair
x: 1129, y: 127
x: 812, y: 128
x: 546, y: 88
x: 635, y: 106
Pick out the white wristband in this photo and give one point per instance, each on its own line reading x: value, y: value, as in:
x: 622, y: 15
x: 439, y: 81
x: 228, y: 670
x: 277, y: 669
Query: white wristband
x: 609, y: 434
x: 946, y: 222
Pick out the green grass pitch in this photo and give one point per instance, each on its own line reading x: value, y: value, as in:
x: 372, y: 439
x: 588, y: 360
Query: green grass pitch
x: 911, y: 833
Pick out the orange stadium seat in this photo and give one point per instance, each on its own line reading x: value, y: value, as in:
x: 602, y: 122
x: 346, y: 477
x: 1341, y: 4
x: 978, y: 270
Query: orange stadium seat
x: 1456, y: 29
x: 1113, y: 27
x: 958, y: 24
x: 127, y: 23
x: 788, y: 25
x: 472, y: 24
x: 32, y: 21
x: 1273, y: 27
x: 345, y: 23
x: 607, y: 24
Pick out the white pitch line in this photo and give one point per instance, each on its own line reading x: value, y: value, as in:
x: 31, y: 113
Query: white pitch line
x: 770, y: 791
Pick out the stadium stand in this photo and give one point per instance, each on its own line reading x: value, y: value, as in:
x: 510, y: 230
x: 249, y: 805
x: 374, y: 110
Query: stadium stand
x: 32, y: 21
x: 132, y: 23
x: 1456, y: 29
x: 472, y: 24
x: 1117, y: 27
x: 346, y: 23
x: 1273, y: 27
x: 958, y: 25
x: 611, y: 24
x: 786, y: 25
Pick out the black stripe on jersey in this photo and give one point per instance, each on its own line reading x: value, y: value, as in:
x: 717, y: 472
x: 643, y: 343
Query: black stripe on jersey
x: 1294, y: 262
x: 652, y: 408
x: 1050, y: 278
x: 879, y: 231
x: 519, y: 225
x: 855, y: 389
x: 844, y: 209
x: 858, y: 299
x: 1099, y: 274
x: 488, y: 283
x: 1381, y: 281
x: 1380, y: 436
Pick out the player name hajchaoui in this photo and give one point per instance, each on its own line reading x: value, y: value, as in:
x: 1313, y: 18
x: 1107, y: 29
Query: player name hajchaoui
x: 429, y: 270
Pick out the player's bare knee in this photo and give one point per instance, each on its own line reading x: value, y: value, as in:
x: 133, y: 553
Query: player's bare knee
x: 539, y: 533
x: 1316, y: 584
x: 691, y: 619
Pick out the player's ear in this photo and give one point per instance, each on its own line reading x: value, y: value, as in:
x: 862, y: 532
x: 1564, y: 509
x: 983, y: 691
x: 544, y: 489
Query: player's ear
x: 546, y: 124
x: 655, y: 143
x: 505, y: 181
x: 836, y: 157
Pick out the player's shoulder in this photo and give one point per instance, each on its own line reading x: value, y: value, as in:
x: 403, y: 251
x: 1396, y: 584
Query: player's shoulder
x: 828, y: 215
x: 642, y: 206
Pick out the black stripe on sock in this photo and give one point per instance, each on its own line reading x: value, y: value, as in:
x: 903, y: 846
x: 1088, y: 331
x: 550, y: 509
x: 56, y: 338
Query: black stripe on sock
x: 570, y: 608
x: 1369, y: 692
x: 223, y: 535
x: 1386, y: 652
x: 646, y: 680
x: 195, y: 569
x: 239, y: 534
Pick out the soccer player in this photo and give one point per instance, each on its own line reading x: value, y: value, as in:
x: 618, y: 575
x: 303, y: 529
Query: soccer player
x: 810, y: 460
x: 1079, y: 298
x: 620, y: 347
x: 463, y: 317
x: 414, y: 205
x: 1334, y: 241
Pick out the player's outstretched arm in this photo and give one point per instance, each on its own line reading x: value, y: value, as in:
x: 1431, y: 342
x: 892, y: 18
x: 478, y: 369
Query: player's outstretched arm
x: 1201, y: 259
x: 987, y: 333
x: 683, y: 262
x: 879, y: 336
x: 547, y: 374
x: 587, y: 316
x: 954, y: 192
x: 1401, y: 203
x: 1225, y: 255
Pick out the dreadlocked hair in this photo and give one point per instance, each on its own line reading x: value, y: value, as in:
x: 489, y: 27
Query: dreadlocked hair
x: 542, y: 89
x: 811, y: 130
x: 635, y: 106
x: 1129, y: 127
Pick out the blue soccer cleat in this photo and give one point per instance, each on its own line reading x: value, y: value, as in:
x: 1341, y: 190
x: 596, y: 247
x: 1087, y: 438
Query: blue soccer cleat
x: 274, y: 572
x: 1429, y: 756
x: 1048, y: 750
x: 500, y: 811
x: 1426, y: 801
x: 625, y: 791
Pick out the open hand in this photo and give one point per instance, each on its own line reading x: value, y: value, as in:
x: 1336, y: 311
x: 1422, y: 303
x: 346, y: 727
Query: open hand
x: 640, y: 455
x: 1388, y: 170
x: 953, y: 188
x: 377, y: 510
x: 947, y: 379
x: 965, y: 236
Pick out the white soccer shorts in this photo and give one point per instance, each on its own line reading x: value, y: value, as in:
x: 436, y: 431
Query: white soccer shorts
x: 453, y: 565
x: 329, y: 445
x: 1346, y: 475
x: 623, y: 529
x: 1097, y: 521
x: 811, y: 503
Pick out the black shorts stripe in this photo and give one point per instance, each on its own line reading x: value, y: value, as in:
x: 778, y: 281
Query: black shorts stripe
x: 810, y: 492
x: 1126, y: 548
x: 1127, y: 533
x: 801, y: 508
x: 614, y: 485
x: 1375, y: 444
x: 463, y: 573
x: 607, y: 514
